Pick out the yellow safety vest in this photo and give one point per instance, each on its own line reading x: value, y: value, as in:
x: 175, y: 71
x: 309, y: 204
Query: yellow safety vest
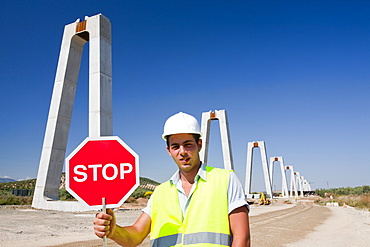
x: 206, y: 222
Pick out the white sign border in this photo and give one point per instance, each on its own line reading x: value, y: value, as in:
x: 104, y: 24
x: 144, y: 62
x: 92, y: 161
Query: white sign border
x: 103, y: 138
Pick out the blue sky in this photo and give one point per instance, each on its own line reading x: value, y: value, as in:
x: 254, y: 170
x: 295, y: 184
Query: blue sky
x: 294, y: 74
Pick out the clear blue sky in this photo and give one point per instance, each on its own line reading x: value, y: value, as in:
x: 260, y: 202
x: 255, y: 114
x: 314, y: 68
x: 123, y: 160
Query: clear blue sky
x: 294, y: 74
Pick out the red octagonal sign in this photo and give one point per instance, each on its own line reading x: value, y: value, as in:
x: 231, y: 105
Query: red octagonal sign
x: 103, y: 167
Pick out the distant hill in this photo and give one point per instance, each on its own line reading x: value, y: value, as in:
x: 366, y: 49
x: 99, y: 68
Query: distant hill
x: 5, y: 180
x: 11, y: 184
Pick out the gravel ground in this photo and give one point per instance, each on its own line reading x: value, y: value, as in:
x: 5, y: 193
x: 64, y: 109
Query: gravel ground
x: 299, y: 224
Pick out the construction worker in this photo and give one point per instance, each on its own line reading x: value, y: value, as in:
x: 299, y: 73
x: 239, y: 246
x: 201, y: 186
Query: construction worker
x: 199, y: 205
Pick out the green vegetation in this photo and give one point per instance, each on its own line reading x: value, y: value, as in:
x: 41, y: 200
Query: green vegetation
x: 8, y: 199
x: 357, y: 201
x: 65, y: 196
x: 147, y: 182
x: 345, y: 191
x: 18, y: 185
x: 7, y: 189
x: 358, y: 197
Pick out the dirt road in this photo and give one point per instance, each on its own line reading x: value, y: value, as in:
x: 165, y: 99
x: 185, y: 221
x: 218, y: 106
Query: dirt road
x: 275, y: 228
x: 279, y: 228
x: 302, y: 224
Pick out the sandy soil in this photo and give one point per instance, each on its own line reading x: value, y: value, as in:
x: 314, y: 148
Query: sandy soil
x: 299, y: 224
x: 343, y: 227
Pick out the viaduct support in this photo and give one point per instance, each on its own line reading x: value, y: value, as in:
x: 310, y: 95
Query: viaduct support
x: 293, y: 183
x: 207, y: 118
x: 248, y: 177
x: 284, y: 186
x: 96, y: 30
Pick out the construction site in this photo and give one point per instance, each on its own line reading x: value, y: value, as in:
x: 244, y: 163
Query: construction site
x: 284, y: 213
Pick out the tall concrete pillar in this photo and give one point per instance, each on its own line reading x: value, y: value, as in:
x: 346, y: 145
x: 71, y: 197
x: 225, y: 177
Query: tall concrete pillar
x: 96, y: 30
x: 293, y: 183
x: 299, y: 182
x: 284, y: 186
x: 266, y: 173
x: 306, y: 185
x: 207, y: 118
x: 100, y: 76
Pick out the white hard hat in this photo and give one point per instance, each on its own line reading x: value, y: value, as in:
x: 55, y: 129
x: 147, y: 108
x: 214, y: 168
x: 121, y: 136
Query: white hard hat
x: 181, y: 123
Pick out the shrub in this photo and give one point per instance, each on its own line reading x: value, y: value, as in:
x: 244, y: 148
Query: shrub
x: 65, y: 196
x: 358, y: 201
x: 25, y: 200
x: 139, y: 192
x: 365, y: 201
x: 8, y: 200
x: 360, y: 190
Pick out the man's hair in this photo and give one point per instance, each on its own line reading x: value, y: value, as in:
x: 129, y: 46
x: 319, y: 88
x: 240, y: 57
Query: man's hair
x: 196, y: 138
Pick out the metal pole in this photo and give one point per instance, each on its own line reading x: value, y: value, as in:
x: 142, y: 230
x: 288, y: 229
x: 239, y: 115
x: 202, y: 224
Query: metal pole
x: 104, y: 211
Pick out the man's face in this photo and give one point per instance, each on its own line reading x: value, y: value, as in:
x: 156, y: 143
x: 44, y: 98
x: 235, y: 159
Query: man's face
x: 185, y: 151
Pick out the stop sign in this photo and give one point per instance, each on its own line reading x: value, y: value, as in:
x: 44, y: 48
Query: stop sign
x: 103, y: 167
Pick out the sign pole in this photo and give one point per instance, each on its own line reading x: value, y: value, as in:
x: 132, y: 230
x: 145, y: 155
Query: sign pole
x: 110, y: 164
x: 104, y: 211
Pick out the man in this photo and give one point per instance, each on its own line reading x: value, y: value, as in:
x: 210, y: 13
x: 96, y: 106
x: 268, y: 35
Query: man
x: 199, y: 205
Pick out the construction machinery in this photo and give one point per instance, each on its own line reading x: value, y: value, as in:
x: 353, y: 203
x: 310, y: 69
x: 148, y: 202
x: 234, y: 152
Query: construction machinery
x: 263, y: 199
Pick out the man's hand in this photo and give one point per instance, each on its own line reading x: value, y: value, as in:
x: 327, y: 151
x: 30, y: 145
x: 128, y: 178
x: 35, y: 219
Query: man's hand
x: 104, y: 224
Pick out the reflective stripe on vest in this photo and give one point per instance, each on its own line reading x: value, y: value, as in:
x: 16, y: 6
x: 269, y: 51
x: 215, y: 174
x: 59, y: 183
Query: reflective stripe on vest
x: 193, y: 238
x: 206, y: 221
x: 207, y: 237
x: 166, y: 241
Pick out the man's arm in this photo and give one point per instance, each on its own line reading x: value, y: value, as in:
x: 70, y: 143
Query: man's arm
x: 105, y: 225
x: 239, y: 227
